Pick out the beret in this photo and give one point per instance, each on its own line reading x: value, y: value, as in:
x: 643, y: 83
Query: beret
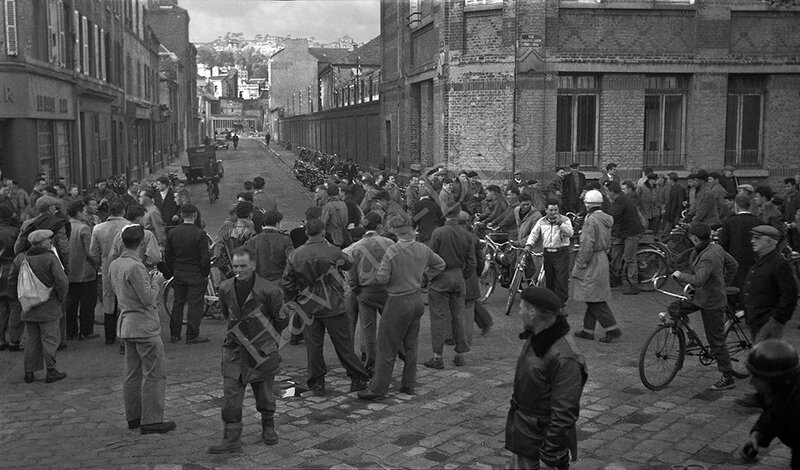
x: 188, y: 209
x: 542, y: 298
x: 45, y: 202
x: 38, y: 236
x: 766, y: 231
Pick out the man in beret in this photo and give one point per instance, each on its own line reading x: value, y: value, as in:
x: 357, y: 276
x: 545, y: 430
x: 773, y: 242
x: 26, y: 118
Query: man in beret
x: 187, y: 259
x: 42, y: 332
x: 548, y: 384
x: 770, y: 293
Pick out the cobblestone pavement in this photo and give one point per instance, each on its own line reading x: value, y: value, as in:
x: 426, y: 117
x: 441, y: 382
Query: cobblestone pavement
x: 456, y: 420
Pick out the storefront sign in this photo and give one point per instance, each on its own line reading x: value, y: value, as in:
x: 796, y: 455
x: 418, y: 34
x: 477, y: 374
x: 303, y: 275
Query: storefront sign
x: 35, y: 97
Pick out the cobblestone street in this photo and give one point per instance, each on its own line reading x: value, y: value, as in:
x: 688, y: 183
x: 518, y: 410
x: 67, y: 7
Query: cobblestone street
x: 456, y: 420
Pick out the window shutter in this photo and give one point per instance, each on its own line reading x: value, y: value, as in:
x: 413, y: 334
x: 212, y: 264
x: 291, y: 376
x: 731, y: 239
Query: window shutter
x: 62, y: 36
x: 103, y: 54
x: 85, y: 43
x: 76, y: 48
x: 96, y: 50
x: 51, y: 31
x: 11, y: 27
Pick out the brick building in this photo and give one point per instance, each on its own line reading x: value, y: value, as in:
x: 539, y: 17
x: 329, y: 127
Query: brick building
x: 495, y: 85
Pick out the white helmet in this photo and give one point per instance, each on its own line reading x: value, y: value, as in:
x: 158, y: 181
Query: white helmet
x: 593, y: 197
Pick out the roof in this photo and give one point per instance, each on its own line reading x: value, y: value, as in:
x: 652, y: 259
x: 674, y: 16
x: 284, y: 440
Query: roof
x: 369, y: 53
x: 327, y: 55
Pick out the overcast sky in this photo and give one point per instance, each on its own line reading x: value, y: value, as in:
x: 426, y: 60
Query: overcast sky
x: 325, y: 20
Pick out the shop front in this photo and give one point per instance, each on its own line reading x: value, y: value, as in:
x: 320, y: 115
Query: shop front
x: 37, y: 118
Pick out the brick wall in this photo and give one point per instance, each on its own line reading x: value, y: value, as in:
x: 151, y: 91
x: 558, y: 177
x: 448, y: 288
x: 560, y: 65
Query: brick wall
x: 621, y: 120
x: 781, y: 123
x: 705, y: 121
x: 765, y: 33
x: 626, y: 31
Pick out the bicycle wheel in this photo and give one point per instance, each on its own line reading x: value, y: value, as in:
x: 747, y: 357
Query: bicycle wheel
x: 487, y: 282
x: 662, y: 356
x: 513, y: 289
x: 650, y: 265
x: 739, y: 345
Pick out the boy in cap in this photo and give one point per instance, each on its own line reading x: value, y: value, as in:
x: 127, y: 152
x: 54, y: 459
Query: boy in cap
x: 42, y: 332
x: 548, y: 384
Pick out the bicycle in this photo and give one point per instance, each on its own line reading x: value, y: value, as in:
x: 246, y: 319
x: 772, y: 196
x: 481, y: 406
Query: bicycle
x: 212, y: 186
x: 520, y: 275
x: 664, y: 351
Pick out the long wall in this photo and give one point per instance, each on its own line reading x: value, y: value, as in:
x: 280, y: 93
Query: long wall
x: 351, y: 132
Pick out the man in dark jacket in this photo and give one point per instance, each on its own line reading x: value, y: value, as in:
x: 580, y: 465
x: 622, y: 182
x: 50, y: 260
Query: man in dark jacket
x: 734, y: 237
x: 427, y: 216
x: 574, y: 181
x: 446, y: 292
x: 313, y: 284
x: 548, y: 384
x: 187, y: 259
x: 165, y: 201
x: 495, y: 204
x: 712, y: 270
x: 10, y: 310
x: 42, y: 335
x: 627, y: 231
x: 676, y: 196
x: 253, y: 308
x: 271, y: 248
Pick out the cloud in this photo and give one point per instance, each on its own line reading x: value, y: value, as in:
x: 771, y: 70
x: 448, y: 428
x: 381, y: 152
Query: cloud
x: 325, y: 20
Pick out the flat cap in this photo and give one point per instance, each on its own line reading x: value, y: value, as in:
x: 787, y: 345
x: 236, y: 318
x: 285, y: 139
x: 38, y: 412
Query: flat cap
x: 163, y: 179
x: 188, y: 209
x: 766, y: 231
x: 702, y: 174
x: 45, y: 202
x: 531, y: 182
x: 746, y: 187
x: 414, y: 167
x: 672, y: 175
x: 472, y: 174
x: 574, y: 165
x: 542, y: 298
x: 729, y: 168
x: 692, y: 176
x: 38, y: 236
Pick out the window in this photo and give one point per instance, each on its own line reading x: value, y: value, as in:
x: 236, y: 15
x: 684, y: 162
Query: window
x: 664, y: 120
x: 55, y: 32
x: 95, y: 51
x: 103, y: 55
x: 85, y: 44
x: 76, y: 30
x: 576, y: 120
x: 745, y: 120
x: 62, y: 148
x: 482, y: 2
x: 44, y: 137
x: 11, y: 26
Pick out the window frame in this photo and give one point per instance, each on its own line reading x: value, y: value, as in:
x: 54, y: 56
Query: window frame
x: 575, y: 91
x: 681, y: 89
x: 737, y: 153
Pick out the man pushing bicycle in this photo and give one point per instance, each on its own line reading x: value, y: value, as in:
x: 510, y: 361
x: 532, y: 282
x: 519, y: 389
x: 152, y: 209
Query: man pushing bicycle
x: 712, y: 270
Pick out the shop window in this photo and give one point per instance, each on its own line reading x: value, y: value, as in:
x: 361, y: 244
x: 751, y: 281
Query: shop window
x: 745, y: 120
x: 664, y: 121
x: 62, y: 149
x: 576, y: 120
x: 44, y: 136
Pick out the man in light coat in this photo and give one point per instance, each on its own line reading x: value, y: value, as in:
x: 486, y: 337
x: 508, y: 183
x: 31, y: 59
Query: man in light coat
x: 139, y: 326
x: 99, y: 250
x: 590, y: 278
x: 82, y: 295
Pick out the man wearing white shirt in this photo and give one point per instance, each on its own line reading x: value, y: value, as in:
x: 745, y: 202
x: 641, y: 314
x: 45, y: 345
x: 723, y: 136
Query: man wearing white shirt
x: 554, y: 231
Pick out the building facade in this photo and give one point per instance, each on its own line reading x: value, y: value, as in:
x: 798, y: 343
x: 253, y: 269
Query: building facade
x: 80, y: 90
x: 496, y: 85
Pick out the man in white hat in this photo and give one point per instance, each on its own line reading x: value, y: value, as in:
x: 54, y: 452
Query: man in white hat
x: 41, y: 320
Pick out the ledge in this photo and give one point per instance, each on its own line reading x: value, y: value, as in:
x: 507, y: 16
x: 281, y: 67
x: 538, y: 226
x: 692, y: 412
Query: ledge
x: 629, y: 6
x: 488, y: 7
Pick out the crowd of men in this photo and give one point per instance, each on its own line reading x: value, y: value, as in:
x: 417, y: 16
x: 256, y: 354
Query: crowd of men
x: 359, y: 265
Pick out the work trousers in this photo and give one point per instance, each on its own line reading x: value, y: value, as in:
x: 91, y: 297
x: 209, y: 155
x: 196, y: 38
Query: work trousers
x: 598, y: 312
x: 338, y: 328
x: 41, y: 343
x: 626, y: 253
x: 556, y: 272
x: 713, y: 324
x: 81, y: 297
x: 10, y: 320
x: 351, y: 310
x: 398, y: 331
x: 263, y: 392
x: 469, y: 319
x: 447, y: 313
x: 483, y: 318
x: 370, y: 303
x: 193, y: 296
x: 145, y: 379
